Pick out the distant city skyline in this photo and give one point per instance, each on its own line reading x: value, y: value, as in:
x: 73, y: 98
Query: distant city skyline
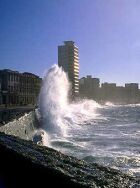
x: 107, y: 34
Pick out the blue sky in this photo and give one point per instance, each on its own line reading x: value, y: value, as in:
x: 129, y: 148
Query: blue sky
x: 107, y: 33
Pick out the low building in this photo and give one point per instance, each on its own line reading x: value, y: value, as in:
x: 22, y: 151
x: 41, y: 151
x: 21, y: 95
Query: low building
x: 109, y: 92
x: 132, y: 92
x: 29, y: 89
x: 120, y: 96
x: 19, y: 88
x: 88, y: 87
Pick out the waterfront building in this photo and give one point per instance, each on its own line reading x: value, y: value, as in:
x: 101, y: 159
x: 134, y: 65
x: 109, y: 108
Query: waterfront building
x: 89, y: 87
x: 68, y: 59
x: 120, y: 95
x: 30, y: 87
x: 132, y: 92
x: 132, y: 86
x: 19, y: 88
x: 108, y: 91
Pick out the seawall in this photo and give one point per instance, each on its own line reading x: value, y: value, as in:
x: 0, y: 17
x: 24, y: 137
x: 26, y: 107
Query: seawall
x: 25, y: 164
x: 11, y: 113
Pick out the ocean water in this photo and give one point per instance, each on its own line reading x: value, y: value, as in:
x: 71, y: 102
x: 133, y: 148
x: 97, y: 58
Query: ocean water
x: 106, y: 134
x: 112, y: 138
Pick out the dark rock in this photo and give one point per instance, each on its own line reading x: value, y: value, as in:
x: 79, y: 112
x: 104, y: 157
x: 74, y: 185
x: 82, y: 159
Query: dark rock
x: 25, y: 164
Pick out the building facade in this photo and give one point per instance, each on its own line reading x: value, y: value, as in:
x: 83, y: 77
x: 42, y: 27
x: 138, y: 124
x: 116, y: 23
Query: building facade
x: 108, y: 92
x: 132, y: 90
x: 89, y: 87
x: 18, y: 89
x: 68, y: 59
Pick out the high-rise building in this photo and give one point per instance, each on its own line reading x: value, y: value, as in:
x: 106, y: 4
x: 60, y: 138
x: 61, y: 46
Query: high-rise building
x: 68, y: 59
